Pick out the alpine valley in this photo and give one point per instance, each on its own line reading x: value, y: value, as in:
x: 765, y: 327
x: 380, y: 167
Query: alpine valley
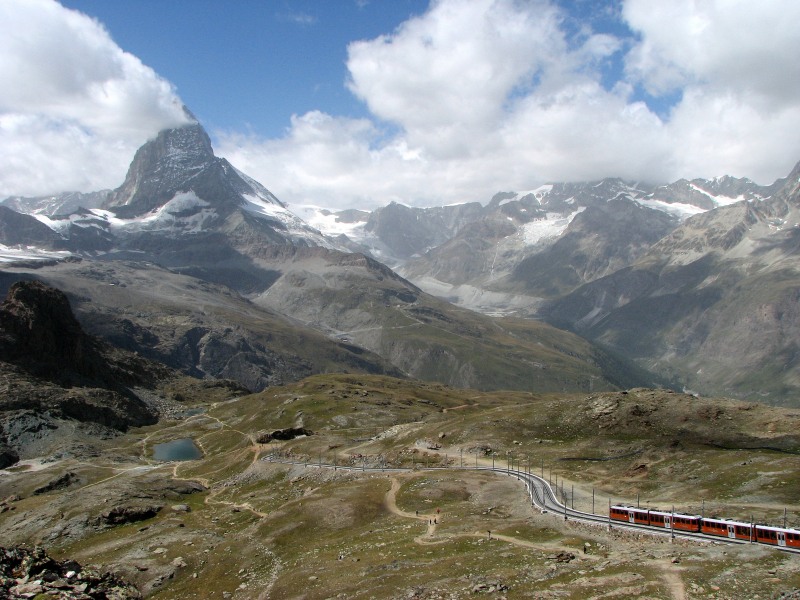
x: 332, y: 375
x: 194, y: 264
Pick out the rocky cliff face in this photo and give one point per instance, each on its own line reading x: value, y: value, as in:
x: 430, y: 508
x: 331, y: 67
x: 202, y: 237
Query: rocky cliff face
x: 161, y: 168
x: 53, y: 374
x: 40, y: 335
x: 600, y: 240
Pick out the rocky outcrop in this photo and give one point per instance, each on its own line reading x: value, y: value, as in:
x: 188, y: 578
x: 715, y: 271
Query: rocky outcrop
x: 31, y: 573
x: 40, y: 334
x: 8, y: 456
x: 52, y: 373
x: 119, y: 515
x: 39, y: 331
x: 64, y: 481
x: 283, y: 434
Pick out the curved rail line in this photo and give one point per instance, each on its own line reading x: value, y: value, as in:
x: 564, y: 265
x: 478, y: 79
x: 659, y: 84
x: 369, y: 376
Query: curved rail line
x: 542, y: 497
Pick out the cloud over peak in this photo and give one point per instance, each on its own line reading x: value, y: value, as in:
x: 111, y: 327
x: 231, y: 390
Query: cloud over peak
x: 72, y: 100
x: 466, y: 99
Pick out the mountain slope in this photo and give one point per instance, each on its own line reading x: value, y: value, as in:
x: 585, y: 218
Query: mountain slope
x: 57, y: 379
x: 199, y: 328
x: 188, y: 217
x: 714, y: 303
x: 357, y: 300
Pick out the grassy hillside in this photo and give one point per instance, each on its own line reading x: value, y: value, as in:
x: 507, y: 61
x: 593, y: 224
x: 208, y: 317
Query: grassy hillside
x: 233, y: 523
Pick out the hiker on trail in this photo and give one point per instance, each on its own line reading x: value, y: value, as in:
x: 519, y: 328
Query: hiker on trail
x: 490, y: 534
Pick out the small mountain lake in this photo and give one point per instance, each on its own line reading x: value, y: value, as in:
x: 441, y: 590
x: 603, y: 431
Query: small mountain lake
x: 183, y: 449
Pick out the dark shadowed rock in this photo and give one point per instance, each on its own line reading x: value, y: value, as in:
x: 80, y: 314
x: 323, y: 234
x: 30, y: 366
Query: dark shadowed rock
x: 283, y: 434
x: 60, y: 483
x: 8, y: 456
x: 31, y: 573
x: 129, y: 514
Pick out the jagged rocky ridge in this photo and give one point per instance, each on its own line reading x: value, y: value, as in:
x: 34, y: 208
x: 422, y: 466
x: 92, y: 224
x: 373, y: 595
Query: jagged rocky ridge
x: 184, y: 212
x: 714, y: 303
x: 52, y: 374
x: 694, y: 280
x: 528, y: 254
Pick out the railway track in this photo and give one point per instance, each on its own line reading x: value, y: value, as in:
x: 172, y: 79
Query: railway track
x: 542, y: 497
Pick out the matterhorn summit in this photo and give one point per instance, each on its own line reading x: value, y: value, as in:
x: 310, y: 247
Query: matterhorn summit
x: 164, y: 167
x: 176, y: 184
x: 177, y: 193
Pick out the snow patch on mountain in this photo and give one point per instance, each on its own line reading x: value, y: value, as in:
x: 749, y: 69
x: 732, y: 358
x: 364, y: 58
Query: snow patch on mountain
x: 275, y: 211
x: 184, y: 212
x: 30, y: 253
x: 719, y: 200
x: 678, y: 209
x: 333, y: 224
x: 538, y: 193
x: 542, y: 230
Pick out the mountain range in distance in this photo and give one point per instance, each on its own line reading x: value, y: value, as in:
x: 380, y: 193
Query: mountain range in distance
x: 571, y: 286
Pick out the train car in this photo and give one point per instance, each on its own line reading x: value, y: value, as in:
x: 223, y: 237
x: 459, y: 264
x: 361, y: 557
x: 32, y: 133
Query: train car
x: 618, y: 513
x: 776, y: 536
x: 630, y: 514
x: 686, y: 522
x: 735, y: 530
x: 727, y: 528
x: 660, y: 519
x: 669, y: 520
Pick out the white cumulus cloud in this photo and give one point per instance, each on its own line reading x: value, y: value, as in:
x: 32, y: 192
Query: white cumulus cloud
x: 469, y: 98
x: 477, y: 96
x: 73, y: 106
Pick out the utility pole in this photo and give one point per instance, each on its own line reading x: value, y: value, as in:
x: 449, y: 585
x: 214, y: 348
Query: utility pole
x: 672, y: 524
x: 592, y: 500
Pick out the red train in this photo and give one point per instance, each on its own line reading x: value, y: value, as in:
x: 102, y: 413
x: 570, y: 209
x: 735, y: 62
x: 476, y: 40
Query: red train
x: 763, y: 534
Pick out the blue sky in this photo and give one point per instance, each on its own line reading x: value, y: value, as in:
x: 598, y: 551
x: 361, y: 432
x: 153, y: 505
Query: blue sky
x: 251, y: 64
x: 357, y: 103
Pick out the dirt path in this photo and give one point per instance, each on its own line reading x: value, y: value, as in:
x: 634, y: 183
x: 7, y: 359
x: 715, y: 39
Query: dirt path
x: 671, y: 576
x: 390, y: 501
x: 433, y: 519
